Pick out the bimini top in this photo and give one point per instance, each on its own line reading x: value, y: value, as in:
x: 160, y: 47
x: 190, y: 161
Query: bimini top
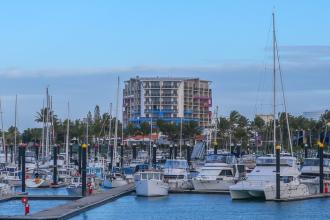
x: 176, y: 164
x: 271, y: 161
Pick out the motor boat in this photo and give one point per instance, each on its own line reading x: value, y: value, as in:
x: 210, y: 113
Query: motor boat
x: 12, y: 176
x: 150, y: 183
x: 39, y: 178
x: 176, y: 174
x: 75, y: 187
x: 261, y: 182
x: 310, y: 173
x: 218, y: 173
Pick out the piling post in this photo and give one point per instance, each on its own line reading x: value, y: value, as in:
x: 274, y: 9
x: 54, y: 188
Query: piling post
x: 134, y: 151
x: 111, y: 157
x: 22, y: 158
x: 278, y: 171
x: 306, y: 150
x: 215, y: 147
x: 11, y: 153
x: 6, y: 153
x: 321, y: 146
x: 175, y: 151
x: 122, y: 155
x: 83, y: 169
x: 171, y: 151
x: 95, y: 150
x: 36, y: 148
x: 154, y: 150
x: 55, y: 148
x: 188, y: 154
x: 80, y: 158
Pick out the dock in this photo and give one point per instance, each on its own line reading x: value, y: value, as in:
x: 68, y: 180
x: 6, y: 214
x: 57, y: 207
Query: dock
x: 78, y: 206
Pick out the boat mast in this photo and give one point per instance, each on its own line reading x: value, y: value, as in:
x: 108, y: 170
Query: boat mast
x: 15, y: 131
x: 2, y: 130
x: 43, y: 129
x: 67, y: 137
x: 116, y: 126
x: 216, y: 125
x: 274, y: 85
x: 47, y: 123
x: 110, y: 127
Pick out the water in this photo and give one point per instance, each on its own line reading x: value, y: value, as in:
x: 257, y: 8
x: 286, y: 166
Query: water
x: 198, y: 206
x: 44, y: 191
x: 16, y: 207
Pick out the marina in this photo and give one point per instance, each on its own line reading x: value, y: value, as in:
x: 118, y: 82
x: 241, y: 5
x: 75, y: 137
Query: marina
x: 202, y: 138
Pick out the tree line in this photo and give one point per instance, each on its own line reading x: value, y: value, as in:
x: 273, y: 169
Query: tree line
x: 236, y: 129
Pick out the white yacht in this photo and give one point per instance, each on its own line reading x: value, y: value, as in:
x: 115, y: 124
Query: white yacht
x: 150, y: 183
x: 176, y: 174
x: 218, y: 173
x: 261, y: 182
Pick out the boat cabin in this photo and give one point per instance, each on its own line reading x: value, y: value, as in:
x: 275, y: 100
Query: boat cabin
x: 148, y: 175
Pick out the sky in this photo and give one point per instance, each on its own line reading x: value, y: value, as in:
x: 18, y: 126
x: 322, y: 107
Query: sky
x: 79, y: 48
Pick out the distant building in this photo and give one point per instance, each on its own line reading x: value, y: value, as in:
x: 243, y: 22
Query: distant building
x: 267, y: 118
x: 315, y: 115
x: 170, y: 99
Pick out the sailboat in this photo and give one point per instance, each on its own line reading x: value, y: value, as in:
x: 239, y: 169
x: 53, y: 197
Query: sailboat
x: 117, y: 177
x: 261, y: 182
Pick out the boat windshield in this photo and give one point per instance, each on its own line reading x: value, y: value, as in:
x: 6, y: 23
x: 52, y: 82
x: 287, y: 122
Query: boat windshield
x: 151, y: 176
x: 176, y: 164
x: 220, y: 158
x: 271, y: 161
x: 316, y: 162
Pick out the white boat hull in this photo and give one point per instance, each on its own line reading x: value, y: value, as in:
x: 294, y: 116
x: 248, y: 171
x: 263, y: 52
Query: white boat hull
x: 16, y: 182
x: 34, y: 183
x: 151, y: 188
x: 179, y: 184
x: 212, y: 185
x: 245, y: 190
x: 118, y: 182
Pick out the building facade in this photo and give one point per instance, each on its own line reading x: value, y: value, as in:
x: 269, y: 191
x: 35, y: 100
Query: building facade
x: 170, y: 99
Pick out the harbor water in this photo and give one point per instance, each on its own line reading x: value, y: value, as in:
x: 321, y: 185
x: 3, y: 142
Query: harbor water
x: 206, y: 206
